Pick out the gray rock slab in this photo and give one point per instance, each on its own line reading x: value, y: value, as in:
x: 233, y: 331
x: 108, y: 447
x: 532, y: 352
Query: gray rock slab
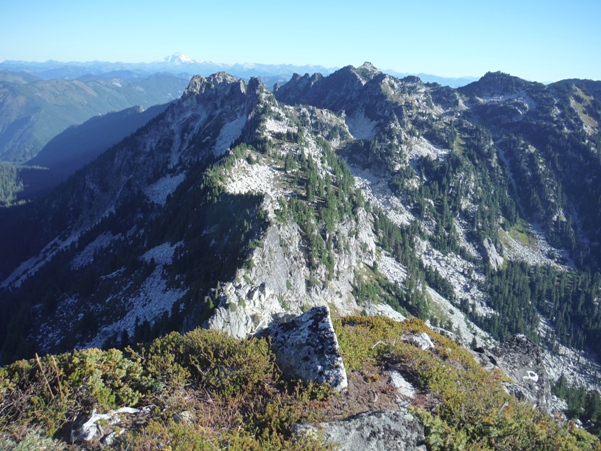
x: 521, y: 359
x: 380, y: 430
x: 306, y: 348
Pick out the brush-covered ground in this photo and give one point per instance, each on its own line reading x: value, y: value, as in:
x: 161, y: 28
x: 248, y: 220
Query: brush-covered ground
x: 206, y: 390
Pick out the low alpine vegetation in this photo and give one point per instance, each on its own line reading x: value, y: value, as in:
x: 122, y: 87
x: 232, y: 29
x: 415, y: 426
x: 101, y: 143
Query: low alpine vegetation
x: 207, y: 390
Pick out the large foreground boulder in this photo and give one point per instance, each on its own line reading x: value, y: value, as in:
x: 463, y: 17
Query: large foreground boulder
x: 381, y: 430
x: 306, y: 348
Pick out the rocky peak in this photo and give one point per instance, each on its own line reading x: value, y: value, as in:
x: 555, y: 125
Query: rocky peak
x: 338, y: 91
x: 255, y: 85
x: 368, y: 66
x: 351, y: 74
x: 219, y: 81
x: 195, y: 85
x: 221, y: 78
x: 298, y: 88
x: 495, y: 84
x: 412, y: 79
x: 367, y: 71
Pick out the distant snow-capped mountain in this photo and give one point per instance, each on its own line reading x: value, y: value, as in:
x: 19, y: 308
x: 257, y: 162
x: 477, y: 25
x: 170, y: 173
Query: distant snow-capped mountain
x: 179, y: 58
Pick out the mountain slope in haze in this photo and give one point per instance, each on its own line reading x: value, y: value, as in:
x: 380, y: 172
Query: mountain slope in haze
x: 68, y: 152
x: 80, y: 144
x: 150, y: 185
x: 34, y: 112
x: 236, y: 207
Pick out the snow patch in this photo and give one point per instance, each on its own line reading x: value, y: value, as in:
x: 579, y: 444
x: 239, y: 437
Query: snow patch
x: 228, y: 134
x: 361, y: 127
x: 462, y: 275
x: 159, y: 190
x: 376, y: 191
x: 373, y: 309
x: 161, y: 254
x: 520, y: 96
x: 461, y: 326
x: 152, y: 300
x: 460, y: 228
x: 50, y: 333
x: 251, y: 178
x: 31, y: 266
x: 275, y: 126
x: 578, y: 367
x: 86, y: 256
x: 391, y: 269
x: 535, y: 254
x: 420, y: 148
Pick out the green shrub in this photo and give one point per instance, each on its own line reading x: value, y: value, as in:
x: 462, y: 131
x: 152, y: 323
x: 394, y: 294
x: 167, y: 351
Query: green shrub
x: 472, y: 411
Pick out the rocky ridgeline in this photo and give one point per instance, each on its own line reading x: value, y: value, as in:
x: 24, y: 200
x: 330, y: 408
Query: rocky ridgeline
x: 277, y: 284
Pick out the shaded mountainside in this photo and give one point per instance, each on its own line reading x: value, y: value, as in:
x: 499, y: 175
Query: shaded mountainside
x: 70, y: 151
x: 80, y: 144
x: 475, y: 209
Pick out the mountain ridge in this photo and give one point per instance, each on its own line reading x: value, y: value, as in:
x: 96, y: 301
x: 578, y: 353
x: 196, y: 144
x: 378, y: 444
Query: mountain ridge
x: 177, y: 62
x: 237, y: 208
x: 413, y: 221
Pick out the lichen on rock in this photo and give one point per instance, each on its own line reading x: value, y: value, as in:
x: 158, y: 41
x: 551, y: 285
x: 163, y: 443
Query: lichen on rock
x: 307, y: 348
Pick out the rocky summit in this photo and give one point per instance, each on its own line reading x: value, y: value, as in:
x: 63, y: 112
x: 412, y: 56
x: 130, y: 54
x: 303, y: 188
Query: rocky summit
x: 324, y: 207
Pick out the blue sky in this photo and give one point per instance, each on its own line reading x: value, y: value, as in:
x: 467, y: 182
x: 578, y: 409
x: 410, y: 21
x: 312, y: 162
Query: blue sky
x: 536, y: 40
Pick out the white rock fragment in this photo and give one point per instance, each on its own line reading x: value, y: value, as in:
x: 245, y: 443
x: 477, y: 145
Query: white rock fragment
x: 404, y: 387
x: 423, y: 341
x: 90, y: 428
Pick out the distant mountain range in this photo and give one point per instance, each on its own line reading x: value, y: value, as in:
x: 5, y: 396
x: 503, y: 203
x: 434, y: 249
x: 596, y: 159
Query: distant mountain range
x: 182, y: 65
x: 177, y: 64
